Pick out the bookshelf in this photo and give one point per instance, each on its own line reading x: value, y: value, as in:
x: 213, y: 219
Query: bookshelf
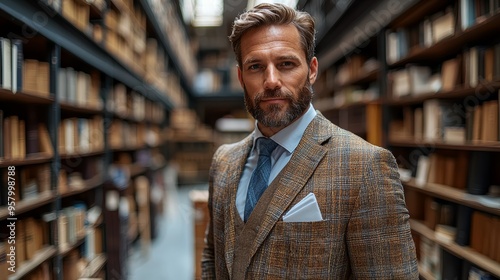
x: 86, y: 90
x: 442, y: 116
x: 438, y: 80
x: 348, y: 92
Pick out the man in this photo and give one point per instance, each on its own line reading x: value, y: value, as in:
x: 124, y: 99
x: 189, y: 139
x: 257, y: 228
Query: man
x: 353, y: 222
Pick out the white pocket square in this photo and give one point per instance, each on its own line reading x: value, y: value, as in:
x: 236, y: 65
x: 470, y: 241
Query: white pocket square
x: 307, y: 210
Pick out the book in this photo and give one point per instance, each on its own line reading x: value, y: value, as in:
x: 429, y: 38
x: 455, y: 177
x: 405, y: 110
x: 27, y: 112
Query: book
x: 490, y: 121
x: 45, y: 143
x: 17, y: 65
x: 43, y: 178
x: 443, y: 25
x: 30, y: 237
x: 22, y: 140
x: 496, y: 64
x: 61, y: 91
x: 30, y: 75
x: 6, y: 57
x: 43, y: 79
x: 467, y: 13
x: 7, y: 138
x: 479, y: 172
x: 422, y: 170
x: 450, y: 266
x: 1, y: 136
x: 3, y: 260
x: 473, y: 66
x: 431, y: 116
x: 32, y: 141
x: 14, y: 136
x: 489, y: 64
x: 432, y: 210
x: 464, y: 219
x: 450, y: 73
x: 477, y: 122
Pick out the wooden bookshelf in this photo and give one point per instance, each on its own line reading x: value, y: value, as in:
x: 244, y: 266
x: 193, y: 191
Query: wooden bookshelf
x: 94, y: 266
x: 468, y: 88
x: 405, y: 46
x: 460, y: 251
x: 65, y: 89
x: 455, y: 195
x: 40, y: 256
x: 24, y: 206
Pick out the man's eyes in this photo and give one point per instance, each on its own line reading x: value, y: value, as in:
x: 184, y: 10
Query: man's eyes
x: 284, y: 64
x: 287, y: 64
x: 254, y: 67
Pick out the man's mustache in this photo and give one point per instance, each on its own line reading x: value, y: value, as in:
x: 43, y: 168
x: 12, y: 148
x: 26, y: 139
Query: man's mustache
x: 278, y: 93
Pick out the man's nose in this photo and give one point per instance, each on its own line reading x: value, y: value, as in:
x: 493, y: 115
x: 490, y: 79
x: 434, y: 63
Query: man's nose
x: 272, y: 78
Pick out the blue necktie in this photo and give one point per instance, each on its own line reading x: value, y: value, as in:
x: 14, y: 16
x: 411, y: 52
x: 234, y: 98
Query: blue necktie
x: 260, y: 176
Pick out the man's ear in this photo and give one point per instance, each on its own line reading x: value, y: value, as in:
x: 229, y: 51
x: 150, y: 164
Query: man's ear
x: 313, y: 70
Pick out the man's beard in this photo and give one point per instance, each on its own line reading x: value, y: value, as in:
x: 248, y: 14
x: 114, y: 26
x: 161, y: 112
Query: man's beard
x: 274, y: 116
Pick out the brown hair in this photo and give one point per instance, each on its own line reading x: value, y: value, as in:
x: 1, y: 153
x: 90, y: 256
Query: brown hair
x: 269, y: 14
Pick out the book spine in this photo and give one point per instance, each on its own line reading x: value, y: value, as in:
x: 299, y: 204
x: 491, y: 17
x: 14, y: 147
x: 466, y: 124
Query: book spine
x: 6, y: 50
x: 17, y: 65
x: 1, y: 135
x: 464, y: 219
x: 32, y: 141
x: 478, y: 180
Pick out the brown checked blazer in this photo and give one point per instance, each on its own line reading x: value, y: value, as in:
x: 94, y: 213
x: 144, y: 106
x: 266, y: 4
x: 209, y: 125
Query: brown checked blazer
x: 365, y: 233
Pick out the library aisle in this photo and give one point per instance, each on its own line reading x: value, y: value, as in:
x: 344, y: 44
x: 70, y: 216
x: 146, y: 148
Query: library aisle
x: 171, y: 255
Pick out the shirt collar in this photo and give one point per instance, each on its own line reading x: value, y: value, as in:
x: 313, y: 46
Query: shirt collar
x: 289, y: 137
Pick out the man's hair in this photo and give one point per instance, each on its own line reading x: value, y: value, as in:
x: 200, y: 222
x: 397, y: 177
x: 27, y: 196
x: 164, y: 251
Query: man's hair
x: 274, y: 14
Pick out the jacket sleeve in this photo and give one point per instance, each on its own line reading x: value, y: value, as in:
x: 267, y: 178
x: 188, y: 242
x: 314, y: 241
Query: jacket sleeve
x: 208, y: 255
x: 379, y: 238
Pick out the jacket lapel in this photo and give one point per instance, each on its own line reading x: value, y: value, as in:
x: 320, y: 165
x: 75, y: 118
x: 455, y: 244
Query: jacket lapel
x: 234, y: 172
x: 286, y: 186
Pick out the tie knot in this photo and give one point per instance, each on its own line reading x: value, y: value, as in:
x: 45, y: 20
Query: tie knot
x: 266, y: 146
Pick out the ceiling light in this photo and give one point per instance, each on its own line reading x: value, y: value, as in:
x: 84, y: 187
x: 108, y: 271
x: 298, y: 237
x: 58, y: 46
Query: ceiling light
x: 208, y: 13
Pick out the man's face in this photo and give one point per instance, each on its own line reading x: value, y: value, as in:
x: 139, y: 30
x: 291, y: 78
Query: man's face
x: 275, y: 76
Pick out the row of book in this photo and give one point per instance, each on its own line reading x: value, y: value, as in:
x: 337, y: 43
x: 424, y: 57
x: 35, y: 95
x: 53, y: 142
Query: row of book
x: 432, y: 29
x: 165, y: 13
x: 77, y: 12
x: 31, y: 181
x: 131, y: 105
x: 77, y: 223
x: 79, y: 88
x: 81, y: 135
x: 20, y: 74
x: 468, y: 171
x: 126, y: 38
x: 441, y: 264
x: 355, y: 67
x: 126, y: 34
x: 23, y: 137
x: 449, y: 122
x: 31, y: 235
x: 131, y: 135
x: 456, y: 225
x: 475, y: 67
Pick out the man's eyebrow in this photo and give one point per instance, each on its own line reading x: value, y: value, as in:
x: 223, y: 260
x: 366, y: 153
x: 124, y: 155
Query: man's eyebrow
x: 251, y: 60
x: 288, y: 57
x: 279, y: 58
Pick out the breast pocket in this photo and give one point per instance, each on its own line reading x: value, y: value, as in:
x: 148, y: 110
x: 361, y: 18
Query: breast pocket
x: 307, y: 248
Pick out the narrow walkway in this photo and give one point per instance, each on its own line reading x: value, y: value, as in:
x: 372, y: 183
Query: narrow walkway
x: 171, y: 256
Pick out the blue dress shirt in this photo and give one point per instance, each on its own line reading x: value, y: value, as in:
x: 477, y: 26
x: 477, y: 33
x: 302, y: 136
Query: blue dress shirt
x: 288, y: 138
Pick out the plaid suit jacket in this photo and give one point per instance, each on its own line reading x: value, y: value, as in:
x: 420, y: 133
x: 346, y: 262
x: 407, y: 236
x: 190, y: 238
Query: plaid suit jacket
x: 365, y: 232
